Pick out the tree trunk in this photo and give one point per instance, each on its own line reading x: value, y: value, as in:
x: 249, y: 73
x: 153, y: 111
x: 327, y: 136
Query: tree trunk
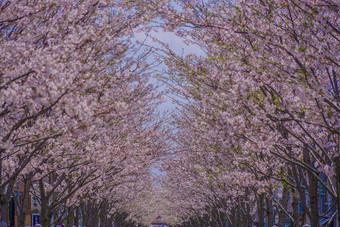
x: 94, y: 221
x: 284, y: 204
x: 245, y: 216
x: 249, y: 217
x: 314, y: 201
x: 84, y: 215
x: 295, y: 205
x: 45, y: 217
x: 220, y: 221
x: 5, y: 197
x: 76, y: 217
x: 312, y: 189
x: 260, y: 210
x: 299, y: 177
x: 270, y: 213
x: 4, y: 209
x: 238, y: 218
x: 337, y: 179
x: 70, y: 217
x: 25, y: 199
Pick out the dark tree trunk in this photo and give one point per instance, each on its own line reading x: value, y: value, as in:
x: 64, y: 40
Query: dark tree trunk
x: 270, y: 212
x: 5, y: 197
x: 25, y: 201
x: 337, y: 179
x: 70, y: 217
x: 284, y: 204
x: 76, y: 217
x: 45, y: 217
x: 299, y: 177
x: 260, y: 208
x: 312, y: 188
x: 5, y: 209
x: 314, y: 201
x: 295, y: 205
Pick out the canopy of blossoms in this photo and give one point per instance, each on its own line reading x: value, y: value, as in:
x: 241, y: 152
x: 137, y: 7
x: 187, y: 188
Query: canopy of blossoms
x: 254, y: 137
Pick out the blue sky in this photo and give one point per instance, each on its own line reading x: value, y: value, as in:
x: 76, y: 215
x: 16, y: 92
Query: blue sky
x: 177, y: 45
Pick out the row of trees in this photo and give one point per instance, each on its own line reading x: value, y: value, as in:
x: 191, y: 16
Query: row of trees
x: 78, y: 128
x: 259, y: 134
x: 257, y: 137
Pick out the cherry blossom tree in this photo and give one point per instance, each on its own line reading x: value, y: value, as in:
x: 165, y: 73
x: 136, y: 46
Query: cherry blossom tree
x: 259, y: 127
x: 77, y: 108
x: 267, y: 88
